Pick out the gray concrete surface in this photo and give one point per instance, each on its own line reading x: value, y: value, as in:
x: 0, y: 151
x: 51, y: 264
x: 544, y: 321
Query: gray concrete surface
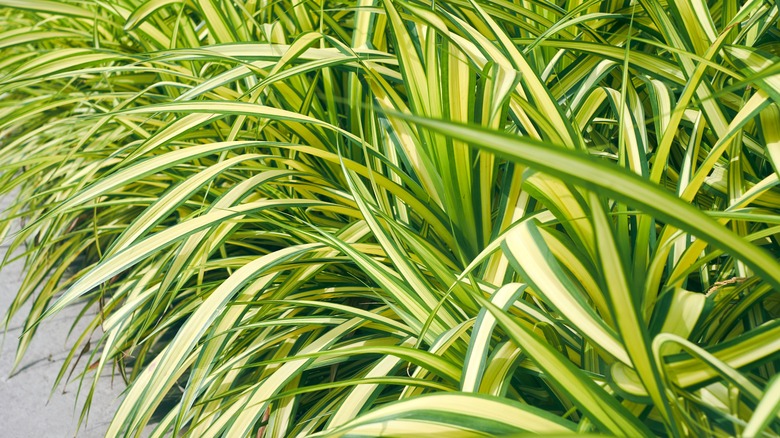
x: 26, y: 410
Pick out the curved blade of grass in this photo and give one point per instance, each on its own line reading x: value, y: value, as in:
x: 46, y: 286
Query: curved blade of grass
x: 141, y: 13
x: 452, y: 414
x: 474, y: 362
x: 766, y: 411
x: 594, y: 174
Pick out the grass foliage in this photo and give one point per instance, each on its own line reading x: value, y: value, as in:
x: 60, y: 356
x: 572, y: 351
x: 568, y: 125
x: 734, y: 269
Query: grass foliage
x: 403, y: 217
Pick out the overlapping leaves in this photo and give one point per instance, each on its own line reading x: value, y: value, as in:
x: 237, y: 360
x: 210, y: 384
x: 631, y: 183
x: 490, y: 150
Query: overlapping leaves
x: 403, y: 217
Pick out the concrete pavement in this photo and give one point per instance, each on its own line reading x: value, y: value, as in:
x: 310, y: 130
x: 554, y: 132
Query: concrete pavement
x: 25, y: 407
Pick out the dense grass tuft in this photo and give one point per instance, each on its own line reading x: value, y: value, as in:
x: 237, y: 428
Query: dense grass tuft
x: 409, y: 218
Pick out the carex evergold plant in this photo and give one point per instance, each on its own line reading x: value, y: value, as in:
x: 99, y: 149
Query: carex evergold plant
x: 404, y: 218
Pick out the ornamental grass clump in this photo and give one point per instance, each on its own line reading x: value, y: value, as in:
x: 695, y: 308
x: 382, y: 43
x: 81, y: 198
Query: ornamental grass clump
x: 403, y: 218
